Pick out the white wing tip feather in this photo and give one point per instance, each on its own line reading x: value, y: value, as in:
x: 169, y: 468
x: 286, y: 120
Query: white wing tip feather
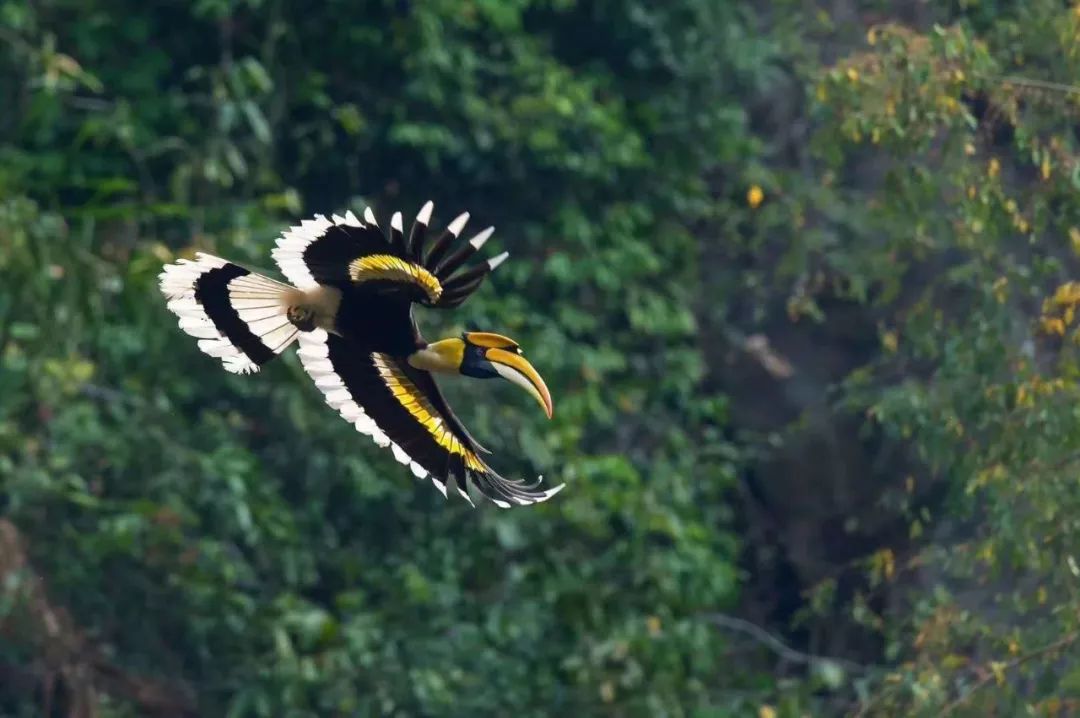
x: 458, y: 224
x: 481, y: 238
x: 464, y: 495
x: 552, y: 491
x: 424, y: 215
x: 400, y: 455
x: 289, y: 253
x: 495, y: 261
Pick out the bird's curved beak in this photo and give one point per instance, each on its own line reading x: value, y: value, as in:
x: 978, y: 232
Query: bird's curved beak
x: 515, y: 368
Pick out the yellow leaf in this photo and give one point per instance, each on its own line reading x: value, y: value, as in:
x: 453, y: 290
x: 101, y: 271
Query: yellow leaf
x: 1053, y: 325
x: 1067, y: 294
x: 1000, y: 288
x: 161, y: 252
x: 954, y: 661
x: 66, y: 65
x: 884, y: 562
x: 852, y: 74
x: 755, y: 196
x: 653, y: 624
x: 766, y: 711
x: 998, y: 669
x: 994, y: 167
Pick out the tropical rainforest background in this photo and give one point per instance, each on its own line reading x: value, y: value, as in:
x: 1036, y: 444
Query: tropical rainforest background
x: 800, y: 274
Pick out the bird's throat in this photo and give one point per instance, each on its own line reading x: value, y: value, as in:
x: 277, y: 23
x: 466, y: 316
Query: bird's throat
x: 444, y: 356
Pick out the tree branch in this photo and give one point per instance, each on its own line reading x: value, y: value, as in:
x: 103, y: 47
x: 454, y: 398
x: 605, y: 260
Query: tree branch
x: 991, y: 674
x: 1039, y: 84
x: 777, y: 646
x: 65, y: 662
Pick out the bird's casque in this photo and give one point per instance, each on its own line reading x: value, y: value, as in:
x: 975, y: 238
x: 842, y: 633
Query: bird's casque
x: 349, y: 308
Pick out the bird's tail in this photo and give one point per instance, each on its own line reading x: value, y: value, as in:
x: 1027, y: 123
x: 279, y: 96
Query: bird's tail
x: 240, y: 317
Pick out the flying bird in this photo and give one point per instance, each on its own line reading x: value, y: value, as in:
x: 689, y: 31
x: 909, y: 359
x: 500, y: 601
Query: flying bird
x: 349, y: 306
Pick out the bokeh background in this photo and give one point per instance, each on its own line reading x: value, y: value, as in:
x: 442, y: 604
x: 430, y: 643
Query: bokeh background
x: 797, y: 274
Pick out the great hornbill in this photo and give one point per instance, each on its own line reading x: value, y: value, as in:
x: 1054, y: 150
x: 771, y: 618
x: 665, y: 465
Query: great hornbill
x: 350, y: 308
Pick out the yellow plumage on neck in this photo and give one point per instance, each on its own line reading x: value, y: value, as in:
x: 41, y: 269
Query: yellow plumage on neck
x: 445, y: 355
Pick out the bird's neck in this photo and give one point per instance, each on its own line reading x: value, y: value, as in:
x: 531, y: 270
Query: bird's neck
x: 444, y: 356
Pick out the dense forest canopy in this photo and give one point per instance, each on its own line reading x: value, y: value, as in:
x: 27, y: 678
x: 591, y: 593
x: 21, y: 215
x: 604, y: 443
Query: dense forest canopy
x: 802, y: 277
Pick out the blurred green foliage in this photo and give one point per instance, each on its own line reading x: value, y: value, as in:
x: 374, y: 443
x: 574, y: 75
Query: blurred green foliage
x: 900, y: 185
x: 232, y: 532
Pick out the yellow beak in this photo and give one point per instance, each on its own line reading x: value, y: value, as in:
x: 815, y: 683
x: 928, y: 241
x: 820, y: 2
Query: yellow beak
x: 515, y: 368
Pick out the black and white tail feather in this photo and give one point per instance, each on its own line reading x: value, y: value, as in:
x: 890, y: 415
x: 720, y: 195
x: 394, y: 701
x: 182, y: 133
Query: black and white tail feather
x: 238, y: 316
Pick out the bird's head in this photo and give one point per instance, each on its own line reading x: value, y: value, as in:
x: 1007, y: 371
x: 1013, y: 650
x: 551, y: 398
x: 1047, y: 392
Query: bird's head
x: 483, y: 355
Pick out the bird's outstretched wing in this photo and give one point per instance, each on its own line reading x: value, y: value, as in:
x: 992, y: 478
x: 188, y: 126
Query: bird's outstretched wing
x: 401, y: 407
x: 345, y: 250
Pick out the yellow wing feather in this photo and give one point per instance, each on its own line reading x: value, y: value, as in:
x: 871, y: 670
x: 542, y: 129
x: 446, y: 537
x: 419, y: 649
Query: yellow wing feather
x: 388, y: 267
